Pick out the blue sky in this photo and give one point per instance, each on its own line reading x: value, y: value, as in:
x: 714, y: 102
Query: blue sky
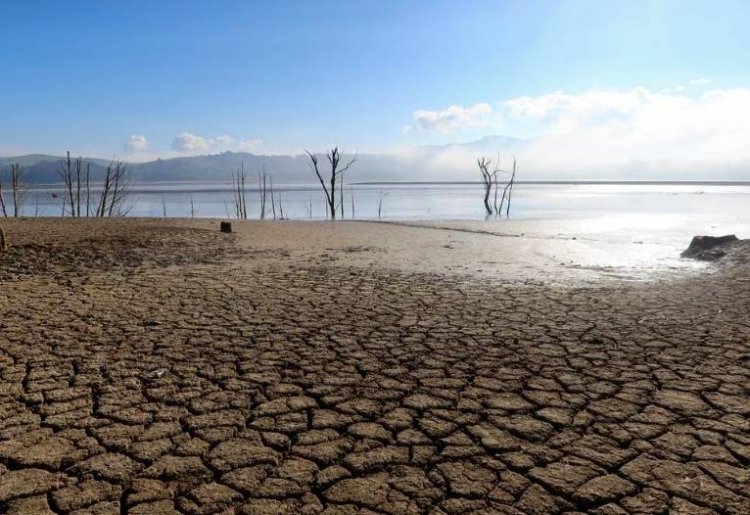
x: 161, y: 78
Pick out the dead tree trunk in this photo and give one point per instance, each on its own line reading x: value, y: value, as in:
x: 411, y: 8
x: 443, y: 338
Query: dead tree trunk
x: 238, y: 192
x: 16, y: 184
x: 508, y: 191
x: 114, y: 191
x: 101, y: 208
x: 3, y: 242
x: 88, y: 189
x: 79, y: 166
x: 488, y: 178
x: 66, y: 173
x: 2, y: 200
x: 263, y: 192
x: 329, y: 190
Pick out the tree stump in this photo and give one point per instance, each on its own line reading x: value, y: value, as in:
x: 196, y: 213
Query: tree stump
x: 3, y: 242
x: 226, y: 227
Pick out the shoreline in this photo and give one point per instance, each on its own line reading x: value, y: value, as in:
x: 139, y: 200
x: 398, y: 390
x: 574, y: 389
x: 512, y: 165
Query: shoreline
x: 571, y: 252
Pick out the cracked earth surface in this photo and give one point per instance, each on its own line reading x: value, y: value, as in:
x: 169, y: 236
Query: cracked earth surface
x: 161, y: 370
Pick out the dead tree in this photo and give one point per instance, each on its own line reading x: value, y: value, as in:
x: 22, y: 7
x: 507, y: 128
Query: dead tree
x: 115, y: 190
x: 101, y: 209
x: 88, y: 189
x: 71, y: 173
x: 17, y: 191
x: 281, y: 209
x: 238, y: 190
x: 488, y: 181
x: 263, y: 192
x: 79, y: 165
x: 3, y: 210
x: 17, y: 187
x: 508, y: 191
x: 380, y: 203
x: 491, y: 181
x: 66, y: 174
x: 273, y: 201
x: 337, y: 170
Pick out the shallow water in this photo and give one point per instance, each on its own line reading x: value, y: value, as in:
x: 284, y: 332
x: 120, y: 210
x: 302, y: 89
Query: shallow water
x: 423, y: 202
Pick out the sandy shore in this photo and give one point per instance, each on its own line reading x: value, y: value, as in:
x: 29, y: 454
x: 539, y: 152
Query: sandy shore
x: 153, y: 367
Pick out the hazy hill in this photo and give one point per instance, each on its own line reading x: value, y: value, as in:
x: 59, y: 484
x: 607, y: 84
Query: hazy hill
x: 440, y: 162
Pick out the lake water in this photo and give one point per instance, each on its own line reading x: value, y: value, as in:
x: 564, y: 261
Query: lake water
x: 421, y: 202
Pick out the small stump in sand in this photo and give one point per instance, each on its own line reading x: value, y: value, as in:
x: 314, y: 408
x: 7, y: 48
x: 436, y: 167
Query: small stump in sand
x: 226, y: 227
x: 705, y: 247
x: 3, y: 243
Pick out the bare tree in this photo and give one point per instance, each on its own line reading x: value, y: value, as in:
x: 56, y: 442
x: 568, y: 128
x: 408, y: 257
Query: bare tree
x: 66, y: 174
x: 3, y: 210
x: 71, y: 173
x: 488, y: 180
x: 79, y: 165
x: 380, y: 203
x: 508, y: 190
x: 263, y: 191
x: 281, y: 209
x: 88, y: 189
x: 491, y: 181
x: 238, y: 190
x: 115, y: 190
x: 273, y: 201
x: 337, y: 170
x: 17, y: 187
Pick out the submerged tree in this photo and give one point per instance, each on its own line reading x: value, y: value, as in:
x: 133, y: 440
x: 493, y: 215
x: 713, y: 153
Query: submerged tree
x: 78, y: 200
x: 491, y: 182
x: 337, y: 170
x: 263, y: 192
x: 3, y: 209
x: 508, y: 190
x: 17, y: 191
x: 489, y: 179
x: 238, y: 191
x: 115, y: 190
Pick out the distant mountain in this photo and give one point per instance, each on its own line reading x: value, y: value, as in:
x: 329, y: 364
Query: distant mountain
x: 428, y: 162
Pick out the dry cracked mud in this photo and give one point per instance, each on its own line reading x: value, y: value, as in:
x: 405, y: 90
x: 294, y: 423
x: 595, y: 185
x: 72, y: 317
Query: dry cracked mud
x: 161, y: 370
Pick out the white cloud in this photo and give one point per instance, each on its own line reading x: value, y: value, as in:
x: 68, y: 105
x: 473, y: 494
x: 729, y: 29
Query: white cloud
x: 136, y: 143
x: 455, y: 118
x: 638, y: 130
x: 633, y: 133
x: 189, y: 143
x: 700, y: 82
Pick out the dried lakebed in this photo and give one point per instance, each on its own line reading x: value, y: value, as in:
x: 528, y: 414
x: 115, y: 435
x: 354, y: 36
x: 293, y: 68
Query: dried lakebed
x: 153, y: 369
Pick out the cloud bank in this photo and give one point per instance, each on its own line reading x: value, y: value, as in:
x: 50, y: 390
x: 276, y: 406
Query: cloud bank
x: 637, y: 133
